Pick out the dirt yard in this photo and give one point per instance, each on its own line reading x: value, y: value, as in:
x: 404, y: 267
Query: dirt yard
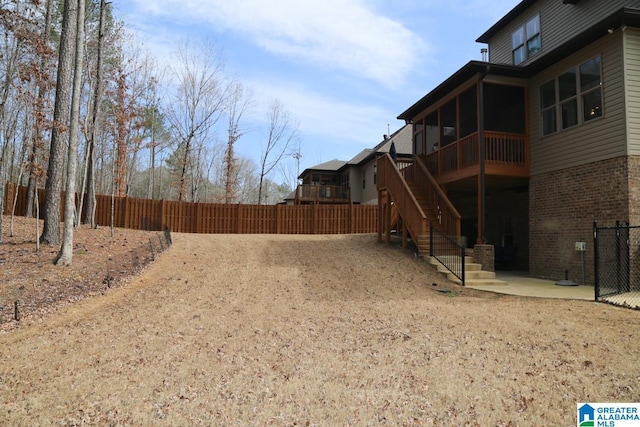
x: 246, y: 330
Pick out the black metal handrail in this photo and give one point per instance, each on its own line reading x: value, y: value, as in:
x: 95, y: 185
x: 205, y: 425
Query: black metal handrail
x: 447, y: 251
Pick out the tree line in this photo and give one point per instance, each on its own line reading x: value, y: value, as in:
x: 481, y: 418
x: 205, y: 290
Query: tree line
x: 84, y: 108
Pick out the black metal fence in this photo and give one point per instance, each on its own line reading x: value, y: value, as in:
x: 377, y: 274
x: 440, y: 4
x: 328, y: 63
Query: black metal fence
x: 617, y: 264
x: 447, y: 251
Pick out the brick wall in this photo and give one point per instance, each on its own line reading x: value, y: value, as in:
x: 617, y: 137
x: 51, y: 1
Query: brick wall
x: 563, y: 205
x: 634, y: 190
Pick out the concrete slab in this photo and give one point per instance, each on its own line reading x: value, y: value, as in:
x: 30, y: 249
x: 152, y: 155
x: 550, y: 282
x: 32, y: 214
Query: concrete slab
x: 518, y: 283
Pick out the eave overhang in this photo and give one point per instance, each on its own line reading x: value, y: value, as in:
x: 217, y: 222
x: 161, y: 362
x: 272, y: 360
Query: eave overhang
x: 617, y: 21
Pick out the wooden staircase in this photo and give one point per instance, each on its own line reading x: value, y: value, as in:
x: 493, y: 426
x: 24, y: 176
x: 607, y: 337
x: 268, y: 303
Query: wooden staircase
x: 408, y: 187
x: 417, y: 199
x: 422, y: 241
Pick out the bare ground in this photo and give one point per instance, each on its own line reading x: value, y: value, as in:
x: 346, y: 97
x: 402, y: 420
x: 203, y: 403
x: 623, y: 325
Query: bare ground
x: 312, y: 330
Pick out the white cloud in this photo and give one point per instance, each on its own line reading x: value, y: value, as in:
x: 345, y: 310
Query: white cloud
x: 343, y: 35
x: 333, y: 120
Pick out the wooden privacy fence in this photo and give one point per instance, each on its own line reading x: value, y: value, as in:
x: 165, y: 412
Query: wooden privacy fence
x: 185, y: 217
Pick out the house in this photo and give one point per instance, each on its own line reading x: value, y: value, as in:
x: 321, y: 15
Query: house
x: 353, y: 181
x: 529, y: 146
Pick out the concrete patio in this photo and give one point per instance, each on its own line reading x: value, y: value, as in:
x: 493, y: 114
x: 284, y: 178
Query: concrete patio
x: 518, y: 283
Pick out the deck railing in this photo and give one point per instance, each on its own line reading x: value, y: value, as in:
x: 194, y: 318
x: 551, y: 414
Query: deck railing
x: 506, y: 148
x: 313, y: 193
x: 505, y: 154
x: 391, y: 177
x: 441, y: 211
x: 448, y: 251
x: 448, y: 218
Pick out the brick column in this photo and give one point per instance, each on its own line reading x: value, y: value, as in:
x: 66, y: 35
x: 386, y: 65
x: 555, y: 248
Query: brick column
x: 484, y: 254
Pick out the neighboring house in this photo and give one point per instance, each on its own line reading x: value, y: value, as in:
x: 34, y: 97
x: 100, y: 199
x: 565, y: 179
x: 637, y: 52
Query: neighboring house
x: 533, y: 145
x: 352, y: 181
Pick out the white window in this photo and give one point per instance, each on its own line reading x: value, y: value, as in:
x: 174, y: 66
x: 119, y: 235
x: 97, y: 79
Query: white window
x: 591, y: 89
x: 572, y: 98
x: 525, y: 41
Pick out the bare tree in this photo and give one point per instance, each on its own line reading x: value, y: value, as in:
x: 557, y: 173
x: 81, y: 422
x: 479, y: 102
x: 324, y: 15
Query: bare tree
x: 11, y: 52
x: 239, y: 102
x: 290, y: 170
x: 90, y: 161
x: 21, y: 50
x: 200, y: 98
x: 246, y: 180
x: 43, y: 79
x: 65, y: 256
x: 123, y: 115
x: 51, y: 229
x: 282, y: 130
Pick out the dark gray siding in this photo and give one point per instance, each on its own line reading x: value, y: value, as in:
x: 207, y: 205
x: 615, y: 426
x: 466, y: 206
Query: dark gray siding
x: 558, y: 23
x: 600, y: 139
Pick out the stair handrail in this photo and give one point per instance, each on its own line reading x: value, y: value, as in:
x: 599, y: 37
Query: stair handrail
x: 449, y: 253
x: 386, y: 163
x: 440, y: 202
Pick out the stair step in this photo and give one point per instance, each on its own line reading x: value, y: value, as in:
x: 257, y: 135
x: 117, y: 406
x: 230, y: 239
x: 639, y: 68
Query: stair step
x: 472, y: 266
x: 484, y: 282
x: 470, y: 276
x: 478, y: 274
x: 474, y: 275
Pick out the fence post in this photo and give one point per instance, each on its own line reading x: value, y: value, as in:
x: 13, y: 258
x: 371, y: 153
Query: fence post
x: 596, y: 261
x: 126, y: 213
x: 627, y: 255
x: 315, y: 219
x: 198, y: 218
x: 239, y: 219
x: 463, y: 254
x: 352, y: 222
x: 163, y: 217
x: 430, y: 238
x: 618, y: 254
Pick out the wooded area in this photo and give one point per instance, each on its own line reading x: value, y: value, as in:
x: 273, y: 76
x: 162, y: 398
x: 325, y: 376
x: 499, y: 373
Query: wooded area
x: 213, y: 218
x: 86, y: 109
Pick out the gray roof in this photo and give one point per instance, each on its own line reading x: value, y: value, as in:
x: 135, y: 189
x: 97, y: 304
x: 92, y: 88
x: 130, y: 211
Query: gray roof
x: 361, y: 156
x: 332, y: 165
x: 401, y: 138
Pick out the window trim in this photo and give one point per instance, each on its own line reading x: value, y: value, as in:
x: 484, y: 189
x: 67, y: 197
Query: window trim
x: 524, y: 45
x: 578, y: 99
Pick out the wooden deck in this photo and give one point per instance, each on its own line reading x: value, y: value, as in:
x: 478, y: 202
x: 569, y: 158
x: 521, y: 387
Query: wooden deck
x: 323, y: 194
x: 505, y: 154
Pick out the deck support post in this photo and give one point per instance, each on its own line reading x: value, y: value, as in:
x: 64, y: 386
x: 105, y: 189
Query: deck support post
x: 387, y: 219
x: 381, y: 202
x: 404, y: 235
x: 481, y: 159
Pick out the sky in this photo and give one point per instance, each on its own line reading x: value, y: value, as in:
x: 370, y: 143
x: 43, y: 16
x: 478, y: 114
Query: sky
x: 344, y: 69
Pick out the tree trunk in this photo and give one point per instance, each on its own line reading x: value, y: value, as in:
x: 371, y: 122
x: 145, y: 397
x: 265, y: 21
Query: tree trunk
x: 121, y: 133
x: 37, y: 145
x: 65, y: 256
x: 183, y: 173
x: 53, y: 188
x: 90, y: 196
